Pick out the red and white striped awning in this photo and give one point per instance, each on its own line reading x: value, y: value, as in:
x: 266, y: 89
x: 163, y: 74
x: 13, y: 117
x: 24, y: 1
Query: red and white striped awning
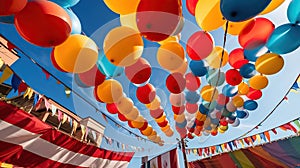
x: 28, y: 142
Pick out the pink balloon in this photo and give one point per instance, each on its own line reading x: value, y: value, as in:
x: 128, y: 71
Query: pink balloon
x: 199, y: 45
x: 191, y: 108
x: 139, y: 72
x: 192, y: 82
x: 177, y: 99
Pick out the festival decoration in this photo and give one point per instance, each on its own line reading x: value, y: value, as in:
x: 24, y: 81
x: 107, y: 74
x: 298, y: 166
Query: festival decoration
x: 199, y: 38
x: 11, y: 7
x: 170, y: 55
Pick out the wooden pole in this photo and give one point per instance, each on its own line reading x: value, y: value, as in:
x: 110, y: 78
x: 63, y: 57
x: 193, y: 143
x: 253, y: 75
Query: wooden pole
x: 184, y: 153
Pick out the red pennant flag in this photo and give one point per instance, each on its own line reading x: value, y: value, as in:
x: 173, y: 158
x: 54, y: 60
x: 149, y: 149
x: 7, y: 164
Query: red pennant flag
x: 274, y: 131
x: 22, y: 87
x: 200, y: 151
x: 246, y: 141
x: 46, y: 73
x: 267, y: 134
x: 290, y: 127
x: 10, y: 46
x: 104, y: 117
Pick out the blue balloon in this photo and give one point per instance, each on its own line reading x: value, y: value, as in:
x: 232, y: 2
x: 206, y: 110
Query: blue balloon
x: 198, y: 68
x: 226, y: 113
x: 192, y: 97
x: 203, y: 109
x: 253, y: 54
x: 76, y: 25
x: 250, y: 105
x: 248, y: 70
x: 107, y: 68
x: 229, y: 90
x: 214, y: 121
x: 210, y: 105
x: 284, y: 39
x: 241, y: 10
x: 241, y: 114
x: 7, y: 19
x: 219, y: 107
x: 66, y: 3
x: 293, y: 11
x: 214, y: 78
x: 208, y: 128
x: 181, y: 125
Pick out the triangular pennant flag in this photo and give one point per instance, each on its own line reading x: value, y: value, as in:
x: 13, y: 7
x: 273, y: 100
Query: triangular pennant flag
x: 87, y: 130
x: 200, y: 151
x: 223, y: 147
x: 59, y: 117
x: 246, y: 141
x: 242, y: 143
x: 35, y: 99
x: 15, y: 82
x: 65, y: 118
x: 195, y: 151
x: 274, y: 131
x: 10, y: 45
x: 250, y: 140
x: 53, y: 109
x: 31, y: 91
x: 289, y: 126
x: 83, y: 131
x: 253, y: 138
x: 263, y: 137
x: 22, y: 87
x: 267, y: 134
x: 46, y: 73
x: 283, y: 127
x: 47, y: 104
x: 118, y: 144
x: 26, y: 93
x: 104, y: 117
x: 213, y: 149
x: 70, y: 121
x: 7, y: 72
x: 258, y: 138
x: 230, y: 146
x: 297, y: 123
x: 75, y: 124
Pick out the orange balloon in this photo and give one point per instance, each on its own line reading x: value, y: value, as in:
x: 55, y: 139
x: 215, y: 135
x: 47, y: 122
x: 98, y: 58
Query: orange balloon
x: 200, y: 116
x: 209, y: 93
x: 215, y: 57
x: 258, y: 82
x: 164, y: 129
x: 109, y: 91
x: 138, y: 122
x: 133, y: 114
x: 155, y: 104
x: 122, y: 6
x: 179, y: 118
x: 161, y: 119
x: 123, y: 46
x: 182, y: 69
x: 234, y: 28
x: 238, y: 101
x: 170, y: 55
x: 169, y: 132
x: 125, y: 105
x: 148, y: 131
x: 243, y: 88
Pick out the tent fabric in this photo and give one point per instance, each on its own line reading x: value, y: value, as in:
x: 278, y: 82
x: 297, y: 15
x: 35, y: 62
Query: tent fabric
x: 28, y: 142
x: 279, y: 154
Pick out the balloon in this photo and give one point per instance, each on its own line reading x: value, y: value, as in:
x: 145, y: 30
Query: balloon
x: 66, y: 3
x: 209, y: 93
x: 157, y: 113
x: 112, y: 108
x: 208, y: 15
x: 157, y: 20
x: 229, y: 90
x: 254, y: 94
x: 253, y: 54
x: 124, y: 105
x: 269, y: 64
x: 178, y: 109
x: 273, y: 5
x: 147, y: 131
x: 237, y: 59
x: 139, y: 122
x: 169, y: 132
x: 170, y: 39
x: 122, y: 6
x: 250, y: 105
x: 247, y: 70
x: 122, y: 117
x: 175, y: 83
x: 293, y: 12
x: 155, y: 104
x: 10, y: 7
x: 146, y: 94
x: 236, y: 11
x: 215, y: 57
x: 109, y: 91
x: 138, y: 72
x: 108, y: 68
x: 243, y: 88
x: 129, y: 20
x: 283, y: 40
x: 256, y: 33
x: 236, y: 123
x: 191, y: 108
x: 133, y: 114
x: 181, y: 124
x: 203, y: 109
x: 191, y: 6
x: 214, y: 132
x: 192, y: 82
x: 76, y: 25
x: 203, y: 39
x: 177, y: 99
x: 200, y: 116
x: 144, y: 126
x: 182, y: 69
x: 222, y: 99
x: 235, y: 28
x: 79, y: 82
x: 7, y: 19
x: 192, y: 97
x: 92, y: 77
x: 238, y: 101
x: 43, y: 23
x: 233, y: 77
x: 161, y: 119
x: 170, y: 55
x: 163, y: 124
x: 77, y: 54
x: 179, y: 118
x: 198, y: 68
x: 258, y: 82
x: 230, y: 107
x: 123, y: 46
x: 54, y: 63
x: 215, y: 77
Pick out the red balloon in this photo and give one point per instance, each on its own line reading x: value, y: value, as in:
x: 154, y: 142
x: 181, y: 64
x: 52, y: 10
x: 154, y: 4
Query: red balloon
x: 254, y: 94
x: 222, y: 99
x: 54, y: 63
x: 144, y: 126
x: 191, y: 130
x: 96, y: 95
x: 130, y: 124
x: 112, y: 108
x: 223, y: 122
x: 157, y: 113
x: 163, y: 124
x: 256, y: 33
x: 123, y: 118
x: 139, y: 72
x: 190, y: 136
x: 146, y: 94
x: 191, y: 108
x: 92, y: 77
x: 175, y: 83
x: 199, y: 123
x: 191, y: 6
x: 178, y: 110
x: 233, y: 77
x: 43, y: 23
x: 10, y: 7
x: 214, y: 133
x: 199, y: 45
x: 192, y: 82
x: 156, y: 19
x: 237, y: 59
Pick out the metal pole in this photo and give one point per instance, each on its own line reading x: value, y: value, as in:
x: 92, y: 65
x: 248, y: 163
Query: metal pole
x: 184, y: 153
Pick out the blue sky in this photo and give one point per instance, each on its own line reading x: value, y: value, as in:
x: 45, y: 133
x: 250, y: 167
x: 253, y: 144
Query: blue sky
x: 96, y: 22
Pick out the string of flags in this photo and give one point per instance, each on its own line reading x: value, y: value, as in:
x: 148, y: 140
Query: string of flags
x: 250, y: 141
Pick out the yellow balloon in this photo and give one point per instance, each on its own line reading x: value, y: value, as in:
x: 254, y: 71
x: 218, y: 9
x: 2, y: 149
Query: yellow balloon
x: 272, y: 5
x: 209, y: 93
x: 179, y: 118
x: 122, y: 6
x: 208, y: 14
x: 220, y: 130
x: 238, y: 101
x: 161, y: 119
x: 215, y: 57
x: 200, y: 116
x: 129, y: 20
x: 138, y: 122
x: 170, y: 55
x: 234, y: 28
x: 110, y: 91
x: 258, y: 82
x: 77, y: 54
x: 123, y: 46
x: 164, y: 129
x: 269, y: 64
x: 133, y: 114
x: 147, y: 131
x: 243, y: 88
x: 223, y: 127
x: 182, y: 69
x: 155, y: 104
x: 125, y: 105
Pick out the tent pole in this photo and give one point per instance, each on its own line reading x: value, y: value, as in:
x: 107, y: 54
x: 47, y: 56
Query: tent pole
x: 184, y: 153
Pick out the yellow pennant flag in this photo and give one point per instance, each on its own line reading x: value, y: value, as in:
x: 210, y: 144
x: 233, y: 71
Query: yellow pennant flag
x: 258, y: 138
x: 7, y: 72
x: 242, y: 143
x: 65, y: 117
x: 83, y: 131
x: 223, y: 147
x: 75, y: 124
